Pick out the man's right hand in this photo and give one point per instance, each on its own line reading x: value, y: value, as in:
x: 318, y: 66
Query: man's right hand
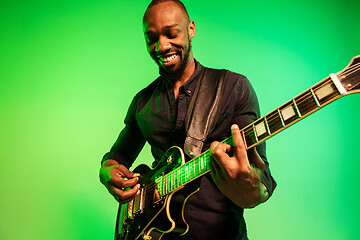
x: 116, y: 178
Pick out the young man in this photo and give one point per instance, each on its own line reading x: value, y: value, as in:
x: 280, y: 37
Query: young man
x: 238, y: 179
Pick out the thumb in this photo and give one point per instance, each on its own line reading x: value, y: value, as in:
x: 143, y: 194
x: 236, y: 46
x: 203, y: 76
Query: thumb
x: 127, y: 173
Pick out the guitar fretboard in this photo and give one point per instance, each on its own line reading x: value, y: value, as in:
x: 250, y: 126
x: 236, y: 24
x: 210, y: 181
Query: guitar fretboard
x: 263, y: 128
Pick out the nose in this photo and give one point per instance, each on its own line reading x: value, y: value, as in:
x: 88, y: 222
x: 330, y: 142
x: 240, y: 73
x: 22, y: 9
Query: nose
x: 163, y: 45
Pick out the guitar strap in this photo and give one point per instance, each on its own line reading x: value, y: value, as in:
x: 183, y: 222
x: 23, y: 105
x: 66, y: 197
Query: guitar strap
x: 203, y: 109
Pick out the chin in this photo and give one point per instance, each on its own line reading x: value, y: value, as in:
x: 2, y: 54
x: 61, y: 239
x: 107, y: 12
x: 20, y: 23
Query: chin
x: 172, y: 73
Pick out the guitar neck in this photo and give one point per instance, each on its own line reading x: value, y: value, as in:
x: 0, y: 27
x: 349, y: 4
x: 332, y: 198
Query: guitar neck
x: 311, y: 100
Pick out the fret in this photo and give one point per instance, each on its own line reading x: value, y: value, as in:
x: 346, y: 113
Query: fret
x: 193, y: 169
x: 275, y: 122
x: 171, y: 180
x: 296, y: 108
x: 204, y: 163
x: 313, y: 94
x: 190, y: 170
x: 184, y: 173
x: 163, y: 185
x: 160, y: 186
x: 250, y: 136
x: 253, y: 128
x: 168, y: 181
x: 178, y: 176
x: 181, y: 174
x: 174, y: 179
x: 267, y: 125
x: 282, y: 120
x: 171, y: 176
x: 306, y: 102
x: 243, y: 136
x: 198, y: 165
x: 207, y: 161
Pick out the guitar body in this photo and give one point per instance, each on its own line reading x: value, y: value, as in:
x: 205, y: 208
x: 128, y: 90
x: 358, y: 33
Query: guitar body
x: 150, y: 216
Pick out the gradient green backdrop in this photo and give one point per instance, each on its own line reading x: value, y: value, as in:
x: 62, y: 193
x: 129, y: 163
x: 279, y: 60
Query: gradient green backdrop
x: 69, y: 69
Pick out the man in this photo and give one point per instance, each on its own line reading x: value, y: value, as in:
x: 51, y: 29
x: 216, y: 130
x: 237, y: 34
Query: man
x: 238, y: 179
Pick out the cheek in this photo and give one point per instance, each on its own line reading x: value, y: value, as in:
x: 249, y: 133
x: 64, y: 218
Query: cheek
x: 150, y: 49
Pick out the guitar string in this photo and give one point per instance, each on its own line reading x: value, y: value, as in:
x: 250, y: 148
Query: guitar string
x: 305, y: 96
x: 352, y: 70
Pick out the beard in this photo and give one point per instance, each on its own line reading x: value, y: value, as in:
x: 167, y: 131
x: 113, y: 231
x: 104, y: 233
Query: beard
x: 177, y: 73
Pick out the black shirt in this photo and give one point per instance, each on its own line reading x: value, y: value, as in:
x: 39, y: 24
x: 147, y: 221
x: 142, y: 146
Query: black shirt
x: 154, y: 116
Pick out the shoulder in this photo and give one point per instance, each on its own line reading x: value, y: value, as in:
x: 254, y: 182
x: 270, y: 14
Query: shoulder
x: 146, y: 93
x: 231, y: 77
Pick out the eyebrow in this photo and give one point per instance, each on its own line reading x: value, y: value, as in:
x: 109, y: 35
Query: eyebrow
x: 166, y: 27
x: 173, y: 25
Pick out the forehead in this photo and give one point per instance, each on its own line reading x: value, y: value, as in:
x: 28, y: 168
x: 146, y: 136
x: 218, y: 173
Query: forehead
x: 163, y: 15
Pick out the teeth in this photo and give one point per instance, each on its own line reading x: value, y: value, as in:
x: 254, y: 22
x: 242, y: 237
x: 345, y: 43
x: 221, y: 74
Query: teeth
x: 169, y: 58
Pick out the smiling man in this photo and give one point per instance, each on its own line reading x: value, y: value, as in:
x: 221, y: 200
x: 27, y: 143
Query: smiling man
x: 211, y: 206
x: 168, y: 32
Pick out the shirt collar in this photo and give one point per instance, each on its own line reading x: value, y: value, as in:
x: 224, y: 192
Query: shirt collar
x: 190, y: 84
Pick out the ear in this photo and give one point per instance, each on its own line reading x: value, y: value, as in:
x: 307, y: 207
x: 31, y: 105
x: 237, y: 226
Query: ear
x: 191, y: 29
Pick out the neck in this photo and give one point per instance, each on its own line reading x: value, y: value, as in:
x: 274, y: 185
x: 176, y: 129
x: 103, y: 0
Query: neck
x: 189, y: 70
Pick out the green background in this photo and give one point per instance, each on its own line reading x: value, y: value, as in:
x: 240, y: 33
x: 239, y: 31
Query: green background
x: 69, y: 69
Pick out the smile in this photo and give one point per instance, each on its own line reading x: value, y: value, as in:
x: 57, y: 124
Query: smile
x: 168, y: 58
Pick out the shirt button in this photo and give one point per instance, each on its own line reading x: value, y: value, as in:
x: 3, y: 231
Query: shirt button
x: 189, y: 91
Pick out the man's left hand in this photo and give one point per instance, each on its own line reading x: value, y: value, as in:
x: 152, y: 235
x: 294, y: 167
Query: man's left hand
x: 233, y: 174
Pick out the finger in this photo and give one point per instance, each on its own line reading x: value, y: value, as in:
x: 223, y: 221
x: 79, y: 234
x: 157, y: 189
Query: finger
x: 239, y: 145
x: 126, y: 172
x: 124, y: 195
x: 218, y: 152
x: 129, y: 183
x: 255, y: 159
x: 118, y: 180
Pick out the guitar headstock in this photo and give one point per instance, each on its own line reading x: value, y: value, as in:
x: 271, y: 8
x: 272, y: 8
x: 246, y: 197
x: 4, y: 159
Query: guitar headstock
x: 349, y: 77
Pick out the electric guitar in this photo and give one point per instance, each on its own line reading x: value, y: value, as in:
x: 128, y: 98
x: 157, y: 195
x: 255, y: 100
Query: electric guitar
x: 158, y: 209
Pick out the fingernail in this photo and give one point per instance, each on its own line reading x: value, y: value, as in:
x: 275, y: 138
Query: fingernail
x: 136, y: 175
x: 138, y: 192
x: 234, y: 126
